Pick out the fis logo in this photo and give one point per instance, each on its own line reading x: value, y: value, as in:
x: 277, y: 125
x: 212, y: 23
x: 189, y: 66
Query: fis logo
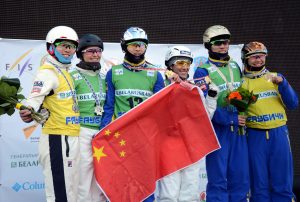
x: 20, y: 64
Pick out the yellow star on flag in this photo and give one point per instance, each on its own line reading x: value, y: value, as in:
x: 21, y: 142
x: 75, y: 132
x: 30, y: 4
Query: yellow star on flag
x: 122, y: 154
x: 117, y: 134
x: 107, y: 132
x: 122, y: 142
x: 98, y: 153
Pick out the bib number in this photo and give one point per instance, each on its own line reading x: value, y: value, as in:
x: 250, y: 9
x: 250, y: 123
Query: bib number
x: 134, y: 101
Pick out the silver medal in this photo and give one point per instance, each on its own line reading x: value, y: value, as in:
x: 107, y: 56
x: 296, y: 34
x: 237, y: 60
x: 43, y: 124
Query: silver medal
x: 75, y: 107
x: 99, y: 110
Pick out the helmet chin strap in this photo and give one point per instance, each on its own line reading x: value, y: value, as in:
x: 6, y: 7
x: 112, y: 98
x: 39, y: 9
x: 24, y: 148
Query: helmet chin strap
x: 61, y: 58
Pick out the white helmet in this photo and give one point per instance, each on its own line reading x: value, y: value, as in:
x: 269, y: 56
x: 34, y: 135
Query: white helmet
x: 61, y: 33
x: 215, y: 32
x: 178, y: 53
x: 133, y: 34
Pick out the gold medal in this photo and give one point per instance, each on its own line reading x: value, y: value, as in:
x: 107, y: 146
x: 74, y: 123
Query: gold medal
x: 169, y: 74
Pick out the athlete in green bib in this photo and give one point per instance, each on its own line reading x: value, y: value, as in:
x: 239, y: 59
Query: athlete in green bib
x: 227, y: 168
x: 133, y: 81
x: 90, y: 89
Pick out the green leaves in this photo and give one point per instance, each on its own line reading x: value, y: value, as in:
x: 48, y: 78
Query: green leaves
x: 6, y: 90
x: 241, y: 98
x: 9, y: 97
x: 20, y: 97
x: 4, y: 104
x: 241, y: 105
x: 11, y: 81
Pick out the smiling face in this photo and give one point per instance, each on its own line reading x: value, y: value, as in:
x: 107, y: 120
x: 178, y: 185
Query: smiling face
x: 181, y: 67
x: 257, y: 60
x: 92, y: 54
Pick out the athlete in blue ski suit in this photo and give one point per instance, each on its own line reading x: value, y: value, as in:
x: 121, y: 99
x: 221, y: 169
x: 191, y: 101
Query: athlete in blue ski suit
x: 271, y: 163
x: 227, y: 168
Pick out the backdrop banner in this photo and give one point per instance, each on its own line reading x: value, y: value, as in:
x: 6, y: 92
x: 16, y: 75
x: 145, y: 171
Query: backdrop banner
x: 21, y: 177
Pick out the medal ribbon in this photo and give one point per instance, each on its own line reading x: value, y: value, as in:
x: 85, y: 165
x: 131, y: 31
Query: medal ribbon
x: 71, y: 89
x: 224, y: 78
x: 92, y: 89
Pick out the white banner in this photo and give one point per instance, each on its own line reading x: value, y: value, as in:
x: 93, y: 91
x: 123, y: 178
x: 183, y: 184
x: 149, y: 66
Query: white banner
x: 21, y: 176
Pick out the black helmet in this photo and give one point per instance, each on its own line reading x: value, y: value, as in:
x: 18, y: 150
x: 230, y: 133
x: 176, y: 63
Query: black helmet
x: 86, y: 41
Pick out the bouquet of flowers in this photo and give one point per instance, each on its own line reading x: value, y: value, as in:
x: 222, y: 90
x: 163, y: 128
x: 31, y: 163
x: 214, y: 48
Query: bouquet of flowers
x: 241, y: 98
x: 10, y: 98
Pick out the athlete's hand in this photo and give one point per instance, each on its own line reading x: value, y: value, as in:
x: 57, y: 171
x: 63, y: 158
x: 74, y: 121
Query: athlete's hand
x: 213, y: 90
x: 173, y: 76
x: 242, y: 120
x: 277, y: 79
x: 25, y: 115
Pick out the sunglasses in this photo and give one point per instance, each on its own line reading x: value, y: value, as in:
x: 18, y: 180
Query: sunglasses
x: 66, y: 44
x: 92, y: 51
x: 137, y: 43
x: 182, y: 62
x: 220, y: 42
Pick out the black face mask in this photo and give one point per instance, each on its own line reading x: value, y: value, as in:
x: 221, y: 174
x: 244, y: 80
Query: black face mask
x: 219, y: 56
x: 94, y: 66
x: 254, y: 69
x: 134, y: 59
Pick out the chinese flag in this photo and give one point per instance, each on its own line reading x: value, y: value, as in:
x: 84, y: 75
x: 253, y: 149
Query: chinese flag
x: 166, y: 133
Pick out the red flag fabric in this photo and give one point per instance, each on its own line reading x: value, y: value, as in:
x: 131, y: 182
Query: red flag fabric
x: 167, y: 132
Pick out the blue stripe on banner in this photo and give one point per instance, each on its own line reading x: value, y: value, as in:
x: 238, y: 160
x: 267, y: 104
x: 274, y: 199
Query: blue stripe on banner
x: 57, y: 167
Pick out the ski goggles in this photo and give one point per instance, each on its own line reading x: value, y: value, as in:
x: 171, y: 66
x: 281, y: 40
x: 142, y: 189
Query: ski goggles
x: 220, y: 42
x: 66, y: 44
x: 137, y: 44
x: 92, y: 51
x: 182, y: 62
x: 257, y: 56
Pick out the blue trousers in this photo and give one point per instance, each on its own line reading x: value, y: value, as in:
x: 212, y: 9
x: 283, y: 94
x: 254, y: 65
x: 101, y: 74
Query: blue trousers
x: 228, y: 168
x: 271, y: 165
x: 150, y: 198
